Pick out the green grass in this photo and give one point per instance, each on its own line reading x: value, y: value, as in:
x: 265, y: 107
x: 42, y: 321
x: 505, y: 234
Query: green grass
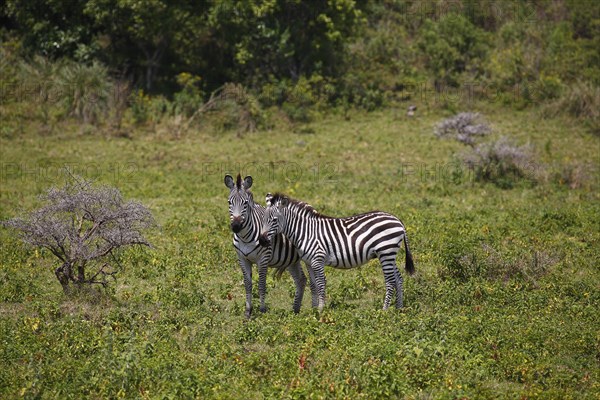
x: 504, y: 303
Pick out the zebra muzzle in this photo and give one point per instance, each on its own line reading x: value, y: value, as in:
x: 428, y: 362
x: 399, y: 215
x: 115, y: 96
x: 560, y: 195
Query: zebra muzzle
x: 236, y: 224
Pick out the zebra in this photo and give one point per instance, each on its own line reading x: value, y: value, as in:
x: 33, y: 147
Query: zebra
x: 245, y: 217
x: 339, y: 242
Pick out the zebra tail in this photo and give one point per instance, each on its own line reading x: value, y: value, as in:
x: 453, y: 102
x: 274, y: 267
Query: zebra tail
x: 278, y: 273
x: 410, y: 265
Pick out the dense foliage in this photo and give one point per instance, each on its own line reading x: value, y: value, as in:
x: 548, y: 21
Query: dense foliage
x: 300, y: 56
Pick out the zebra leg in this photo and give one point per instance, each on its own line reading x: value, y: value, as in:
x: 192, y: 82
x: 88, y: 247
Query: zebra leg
x: 399, y: 289
x: 390, y: 273
x: 262, y: 286
x: 247, y: 272
x: 318, y: 267
x: 300, y: 281
x: 313, y: 287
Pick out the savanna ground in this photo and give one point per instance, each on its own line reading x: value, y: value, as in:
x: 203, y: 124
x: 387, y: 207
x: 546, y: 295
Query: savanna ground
x: 504, y: 303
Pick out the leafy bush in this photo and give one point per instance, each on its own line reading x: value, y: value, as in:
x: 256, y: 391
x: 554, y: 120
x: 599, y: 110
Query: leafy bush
x: 190, y: 98
x: 149, y: 109
x: 140, y: 106
x: 361, y: 90
x: 118, y: 104
x: 548, y: 87
x: 537, y: 63
x: 512, y: 66
x: 380, y: 62
x: 459, y: 258
x: 9, y: 66
x: 452, y: 46
x: 299, y: 100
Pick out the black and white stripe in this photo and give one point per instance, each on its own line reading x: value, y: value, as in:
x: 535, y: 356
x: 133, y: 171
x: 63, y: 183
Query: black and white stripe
x: 339, y: 242
x: 246, y: 218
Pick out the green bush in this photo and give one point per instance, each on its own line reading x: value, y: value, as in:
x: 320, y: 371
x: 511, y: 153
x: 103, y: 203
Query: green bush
x: 548, y: 87
x: 381, y: 62
x: 453, y: 46
x: 534, y: 64
x: 299, y: 100
x: 149, y: 109
x: 190, y: 97
x: 512, y: 65
x: 140, y: 106
x: 458, y: 257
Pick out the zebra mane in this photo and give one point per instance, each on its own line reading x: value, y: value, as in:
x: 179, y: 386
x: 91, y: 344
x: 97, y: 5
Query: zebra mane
x: 238, y: 181
x: 303, y: 207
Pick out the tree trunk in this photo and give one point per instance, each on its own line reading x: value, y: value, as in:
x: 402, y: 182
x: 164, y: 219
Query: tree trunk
x: 153, y: 60
x: 62, y: 274
x: 149, y: 75
x: 80, y: 275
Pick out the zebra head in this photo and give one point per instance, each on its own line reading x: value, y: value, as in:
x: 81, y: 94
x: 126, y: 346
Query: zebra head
x: 240, y: 199
x: 274, y: 219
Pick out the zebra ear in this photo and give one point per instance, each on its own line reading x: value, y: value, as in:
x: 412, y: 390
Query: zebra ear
x: 268, y: 199
x: 247, y: 182
x: 229, y: 181
x: 284, y: 202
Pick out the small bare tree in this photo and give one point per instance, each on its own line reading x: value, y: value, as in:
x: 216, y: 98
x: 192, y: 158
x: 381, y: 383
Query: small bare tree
x: 83, y: 226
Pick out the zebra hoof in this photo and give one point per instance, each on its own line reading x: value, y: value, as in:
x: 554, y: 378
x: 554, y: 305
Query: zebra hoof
x: 263, y: 309
x: 248, y: 313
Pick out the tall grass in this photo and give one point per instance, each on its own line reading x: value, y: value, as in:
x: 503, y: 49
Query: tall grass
x: 85, y: 90
x: 581, y: 100
x: 39, y: 76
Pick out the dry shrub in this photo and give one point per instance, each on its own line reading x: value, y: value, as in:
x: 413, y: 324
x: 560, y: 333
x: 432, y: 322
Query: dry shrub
x: 117, y: 105
x: 84, y: 226
x: 575, y: 175
x: 230, y: 107
x: 464, y: 127
x: 529, y: 266
x: 467, y: 260
x: 502, y: 162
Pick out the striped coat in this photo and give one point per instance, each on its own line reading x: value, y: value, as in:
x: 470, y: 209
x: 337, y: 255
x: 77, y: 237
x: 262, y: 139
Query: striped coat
x: 339, y: 242
x: 245, y: 220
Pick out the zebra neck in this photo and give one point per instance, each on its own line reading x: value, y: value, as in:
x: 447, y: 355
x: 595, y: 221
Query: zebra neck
x: 299, y: 225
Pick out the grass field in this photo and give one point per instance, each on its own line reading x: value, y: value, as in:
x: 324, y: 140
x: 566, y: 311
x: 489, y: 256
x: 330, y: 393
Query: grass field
x: 504, y: 303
